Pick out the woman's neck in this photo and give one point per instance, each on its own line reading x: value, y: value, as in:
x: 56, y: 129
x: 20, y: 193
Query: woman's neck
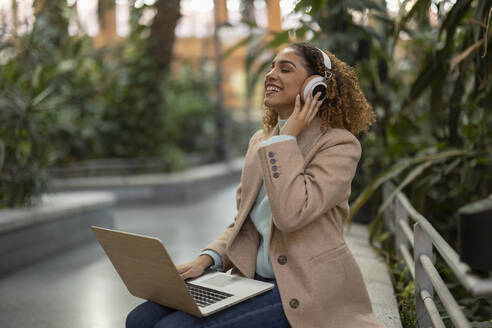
x: 284, y: 112
x: 284, y: 116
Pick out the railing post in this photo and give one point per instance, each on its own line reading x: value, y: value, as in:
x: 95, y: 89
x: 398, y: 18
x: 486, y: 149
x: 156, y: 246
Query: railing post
x: 422, y: 245
x: 400, y: 238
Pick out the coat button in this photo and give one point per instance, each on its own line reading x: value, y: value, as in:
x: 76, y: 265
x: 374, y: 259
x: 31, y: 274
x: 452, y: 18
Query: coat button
x: 272, y: 161
x: 274, y: 168
x: 282, y: 259
x: 294, y: 303
x: 276, y: 175
x: 270, y: 154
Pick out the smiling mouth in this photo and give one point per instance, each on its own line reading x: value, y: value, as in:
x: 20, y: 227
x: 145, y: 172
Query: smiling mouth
x: 271, y: 90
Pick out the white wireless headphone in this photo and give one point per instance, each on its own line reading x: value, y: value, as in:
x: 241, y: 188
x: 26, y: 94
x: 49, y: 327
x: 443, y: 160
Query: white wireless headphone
x: 316, y: 83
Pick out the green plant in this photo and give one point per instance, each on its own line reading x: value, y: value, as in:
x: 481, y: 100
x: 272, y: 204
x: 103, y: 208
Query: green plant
x: 40, y: 99
x: 405, y: 293
x: 191, y: 109
x: 401, y: 279
x: 63, y: 101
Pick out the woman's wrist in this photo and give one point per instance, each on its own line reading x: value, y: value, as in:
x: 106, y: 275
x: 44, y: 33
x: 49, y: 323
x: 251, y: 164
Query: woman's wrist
x: 288, y: 131
x: 205, y: 260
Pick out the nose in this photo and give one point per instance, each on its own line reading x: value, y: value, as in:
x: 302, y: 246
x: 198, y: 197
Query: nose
x: 271, y: 75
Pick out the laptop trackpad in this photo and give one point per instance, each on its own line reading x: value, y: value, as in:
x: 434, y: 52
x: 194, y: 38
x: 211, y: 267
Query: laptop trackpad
x: 221, y: 280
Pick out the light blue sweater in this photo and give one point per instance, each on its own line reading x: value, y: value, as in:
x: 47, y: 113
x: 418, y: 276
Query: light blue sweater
x: 260, y: 215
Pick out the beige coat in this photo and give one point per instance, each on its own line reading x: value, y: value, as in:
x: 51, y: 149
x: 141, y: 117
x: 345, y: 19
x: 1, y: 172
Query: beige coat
x: 308, y: 186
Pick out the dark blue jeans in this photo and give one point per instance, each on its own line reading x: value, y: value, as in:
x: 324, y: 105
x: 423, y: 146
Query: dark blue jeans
x: 264, y: 310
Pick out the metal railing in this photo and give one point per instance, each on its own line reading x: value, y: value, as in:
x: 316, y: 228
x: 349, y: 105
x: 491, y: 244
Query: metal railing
x: 423, y: 238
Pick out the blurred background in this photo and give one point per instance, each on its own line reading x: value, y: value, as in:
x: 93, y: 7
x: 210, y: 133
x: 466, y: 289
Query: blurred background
x: 104, y: 87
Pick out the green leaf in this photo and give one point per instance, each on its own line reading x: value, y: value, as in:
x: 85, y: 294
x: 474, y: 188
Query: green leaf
x: 454, y: 16
x: 42, y: 95
x: 279, y: 39
x: 469, y: 177
x: 361, y: 5
x: 408, y: 179
x: 394, y: 171
x: 67, y: 65
x: 418, y: 6
x: 426, y: 77
x: 450, y: 167
x: 2, y: 153
x: 36, y: 76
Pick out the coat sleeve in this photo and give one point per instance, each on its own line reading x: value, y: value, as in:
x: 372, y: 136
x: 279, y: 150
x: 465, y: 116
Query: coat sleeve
x: 219, y: 245
x: 299, y: 193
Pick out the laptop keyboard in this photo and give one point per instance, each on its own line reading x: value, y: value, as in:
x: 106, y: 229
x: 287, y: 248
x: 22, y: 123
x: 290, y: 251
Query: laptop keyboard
x: 204, y: 296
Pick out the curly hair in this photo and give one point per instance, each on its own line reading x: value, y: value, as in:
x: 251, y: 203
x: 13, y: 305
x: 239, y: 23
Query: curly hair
x: 345, y: 106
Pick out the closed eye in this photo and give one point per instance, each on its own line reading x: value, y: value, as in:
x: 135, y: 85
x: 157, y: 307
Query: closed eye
x: 283, y: 70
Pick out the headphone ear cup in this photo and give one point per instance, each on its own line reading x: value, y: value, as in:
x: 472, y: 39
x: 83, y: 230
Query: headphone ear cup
x: 316, y: 84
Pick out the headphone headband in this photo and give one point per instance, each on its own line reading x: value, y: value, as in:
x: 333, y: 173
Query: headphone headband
x: 327, y: 63
x: 326, y: 59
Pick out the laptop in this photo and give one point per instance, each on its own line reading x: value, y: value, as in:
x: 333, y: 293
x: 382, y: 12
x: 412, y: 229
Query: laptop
x: 149, y: 273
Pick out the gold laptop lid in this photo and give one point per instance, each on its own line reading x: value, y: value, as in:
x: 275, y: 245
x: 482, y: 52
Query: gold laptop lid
x: 146, y: 269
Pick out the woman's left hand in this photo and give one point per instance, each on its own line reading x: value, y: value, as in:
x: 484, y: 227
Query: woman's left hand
x: 300, y: 118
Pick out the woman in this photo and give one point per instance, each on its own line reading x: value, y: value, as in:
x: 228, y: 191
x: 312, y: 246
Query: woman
x: 291, y: 203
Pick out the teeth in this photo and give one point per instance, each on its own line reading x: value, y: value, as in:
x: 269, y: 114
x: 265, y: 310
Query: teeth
x: 273, y: 89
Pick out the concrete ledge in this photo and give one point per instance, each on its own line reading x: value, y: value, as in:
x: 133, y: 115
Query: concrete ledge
x: 376, y: 276
x: 60, y: 222
x: 185, y: 186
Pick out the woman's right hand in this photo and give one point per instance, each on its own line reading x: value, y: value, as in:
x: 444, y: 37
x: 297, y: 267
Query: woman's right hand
x: 194, y: 268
